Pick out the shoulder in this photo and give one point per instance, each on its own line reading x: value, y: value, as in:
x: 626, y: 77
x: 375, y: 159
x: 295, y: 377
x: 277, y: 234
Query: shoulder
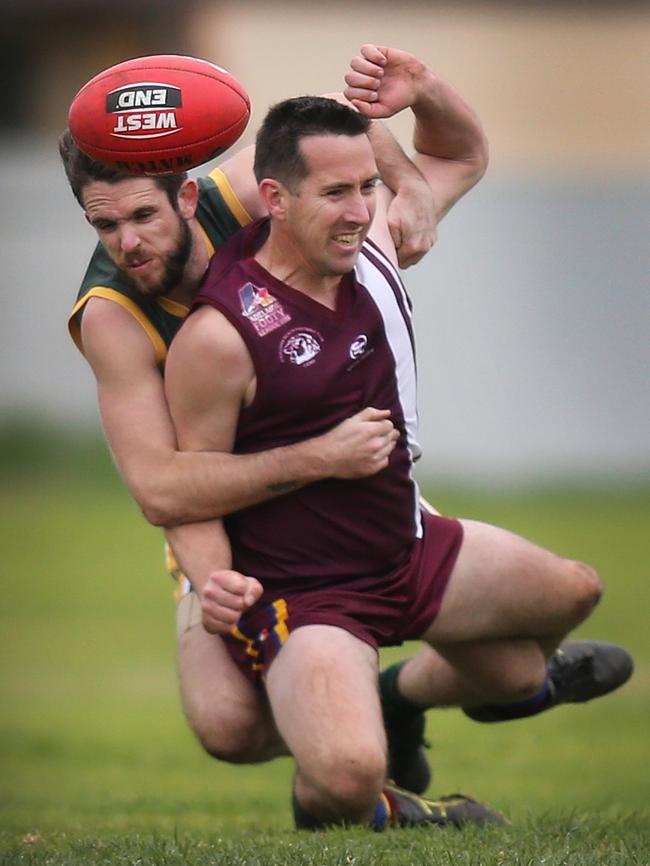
x: 114, y: 341
x: 207, y: 337
x: 208, y: 360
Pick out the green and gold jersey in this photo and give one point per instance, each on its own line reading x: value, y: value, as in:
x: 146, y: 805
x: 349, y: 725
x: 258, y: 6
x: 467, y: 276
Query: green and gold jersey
x: 220, y: 214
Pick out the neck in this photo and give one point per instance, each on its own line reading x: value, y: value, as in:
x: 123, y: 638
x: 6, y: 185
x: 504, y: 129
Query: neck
x: 284, y: 261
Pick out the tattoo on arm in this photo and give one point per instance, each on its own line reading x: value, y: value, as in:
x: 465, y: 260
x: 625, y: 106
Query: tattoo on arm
x: 283, y: 486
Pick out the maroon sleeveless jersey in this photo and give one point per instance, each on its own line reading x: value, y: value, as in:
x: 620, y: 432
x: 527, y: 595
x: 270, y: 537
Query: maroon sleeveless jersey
x: 316, y: 367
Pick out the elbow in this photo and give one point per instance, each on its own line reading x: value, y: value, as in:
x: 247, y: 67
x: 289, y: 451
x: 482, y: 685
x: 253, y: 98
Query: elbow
x: 157, y: 502
x: 481, y: 158
x: 157, y: 509
x: 157, y: 515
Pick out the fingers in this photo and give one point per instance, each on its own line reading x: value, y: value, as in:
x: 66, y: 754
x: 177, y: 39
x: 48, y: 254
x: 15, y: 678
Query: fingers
x: 364, y: 77
x: 395, y: 229
x: 410, y: 253
x: 376, y: 54
x: 225, y: 596
x: 372, y: 414
x: 379, y: 426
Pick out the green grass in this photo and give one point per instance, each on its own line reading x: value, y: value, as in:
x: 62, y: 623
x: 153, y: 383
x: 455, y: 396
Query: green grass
x: 97, y: 765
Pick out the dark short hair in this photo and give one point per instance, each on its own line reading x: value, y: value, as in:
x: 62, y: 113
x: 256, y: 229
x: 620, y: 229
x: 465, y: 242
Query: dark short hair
x: 277, y: 152
x: 81, y: 170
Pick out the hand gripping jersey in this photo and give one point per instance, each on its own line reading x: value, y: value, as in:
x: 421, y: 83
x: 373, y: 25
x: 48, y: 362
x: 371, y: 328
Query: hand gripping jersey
x: 220, y: 215
x: 316, y: 367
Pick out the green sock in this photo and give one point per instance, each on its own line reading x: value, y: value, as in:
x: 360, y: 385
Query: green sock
x: 395, y: 706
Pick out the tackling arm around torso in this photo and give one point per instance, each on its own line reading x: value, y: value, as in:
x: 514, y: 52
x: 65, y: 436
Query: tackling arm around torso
x: 173, y: 486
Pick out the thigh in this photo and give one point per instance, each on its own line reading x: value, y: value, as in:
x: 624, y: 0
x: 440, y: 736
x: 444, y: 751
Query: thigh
x: 228, y: 713
x: 323, y: 691
x: 504, y: 586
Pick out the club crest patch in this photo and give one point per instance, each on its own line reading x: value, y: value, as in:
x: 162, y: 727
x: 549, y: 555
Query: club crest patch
x: 300, y: 346
x: 264, y: 312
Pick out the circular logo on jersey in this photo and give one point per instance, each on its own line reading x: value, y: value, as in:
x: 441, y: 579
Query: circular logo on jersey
x: 358, y: 346
x: 300, y: 346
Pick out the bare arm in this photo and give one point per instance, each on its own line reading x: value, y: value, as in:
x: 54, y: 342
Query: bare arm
x: 451, y: 148
x: 411, y: 209
x: 209, y: 377
x: 239, y: 171
x: 173, y: 486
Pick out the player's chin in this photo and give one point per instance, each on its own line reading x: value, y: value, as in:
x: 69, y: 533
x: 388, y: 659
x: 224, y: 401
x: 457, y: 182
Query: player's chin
x: 344, y: 255
x: 148, y: 288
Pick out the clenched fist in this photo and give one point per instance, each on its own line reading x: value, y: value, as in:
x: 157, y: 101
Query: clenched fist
x: 225, y: 596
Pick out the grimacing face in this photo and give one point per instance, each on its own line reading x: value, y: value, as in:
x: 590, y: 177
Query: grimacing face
x: 330, y: 213
x: 143, y: 234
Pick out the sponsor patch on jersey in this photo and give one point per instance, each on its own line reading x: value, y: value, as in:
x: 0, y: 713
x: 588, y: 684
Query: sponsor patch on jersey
x: 358, y: 346
x: 300, y: 347
x: 263, y: 311
x: 359, y: 350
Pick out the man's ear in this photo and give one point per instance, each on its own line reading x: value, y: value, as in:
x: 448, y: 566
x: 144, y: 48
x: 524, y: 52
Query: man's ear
x: 274, y: 195
x: 188, y: 198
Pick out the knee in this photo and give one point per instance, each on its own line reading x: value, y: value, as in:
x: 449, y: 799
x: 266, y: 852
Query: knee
x: 520, y: 680
x: 586, y: 589
x: 235, y: 740
x: 350, y: 780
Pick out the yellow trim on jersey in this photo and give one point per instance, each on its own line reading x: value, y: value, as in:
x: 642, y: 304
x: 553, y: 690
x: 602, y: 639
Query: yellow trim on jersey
x: 174, y: 308
x: 112, y: 295
x: 206, y: 240
x: 281, y: 615
x: 228, y: 194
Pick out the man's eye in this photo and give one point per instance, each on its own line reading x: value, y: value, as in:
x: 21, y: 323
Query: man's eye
x: 144, y: 215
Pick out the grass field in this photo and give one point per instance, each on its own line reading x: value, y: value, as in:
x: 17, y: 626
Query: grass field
x: 97, y: 765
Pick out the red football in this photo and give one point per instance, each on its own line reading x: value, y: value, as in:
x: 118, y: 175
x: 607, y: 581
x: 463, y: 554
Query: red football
x: 158, y: 115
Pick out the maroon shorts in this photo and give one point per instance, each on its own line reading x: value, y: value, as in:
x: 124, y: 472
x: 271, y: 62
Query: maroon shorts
x: 382, y: 611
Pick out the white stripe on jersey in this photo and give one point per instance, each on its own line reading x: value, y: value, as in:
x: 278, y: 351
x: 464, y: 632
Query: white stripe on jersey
x: 399, y: 340
x: 390, y: 267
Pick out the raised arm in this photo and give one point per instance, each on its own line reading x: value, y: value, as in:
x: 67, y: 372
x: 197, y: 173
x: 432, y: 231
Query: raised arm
x: 173, y: 486
x: 450, y: 147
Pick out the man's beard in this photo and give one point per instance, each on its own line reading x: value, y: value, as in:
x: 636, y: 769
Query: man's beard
x: 173, y: 265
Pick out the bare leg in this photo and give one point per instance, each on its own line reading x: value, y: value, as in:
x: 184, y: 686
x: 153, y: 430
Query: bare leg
x: 323, y: 690
x: 230, y: 717
x: 508, y: 605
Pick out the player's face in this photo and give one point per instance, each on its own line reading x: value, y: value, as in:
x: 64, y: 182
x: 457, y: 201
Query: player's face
x: 330, y: 213
x: 142, y: 233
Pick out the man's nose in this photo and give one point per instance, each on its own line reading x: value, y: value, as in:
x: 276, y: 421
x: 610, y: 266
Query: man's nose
x: 358, y: 210
x: 129, y: 238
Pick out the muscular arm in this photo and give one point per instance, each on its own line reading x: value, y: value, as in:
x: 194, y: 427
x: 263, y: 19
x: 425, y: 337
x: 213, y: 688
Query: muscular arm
x: 208, y: 378
x: 173, y: 486
x: 451, y: 148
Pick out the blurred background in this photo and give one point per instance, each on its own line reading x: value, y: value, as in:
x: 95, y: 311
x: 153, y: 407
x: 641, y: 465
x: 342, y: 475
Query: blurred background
x: 533, y: 310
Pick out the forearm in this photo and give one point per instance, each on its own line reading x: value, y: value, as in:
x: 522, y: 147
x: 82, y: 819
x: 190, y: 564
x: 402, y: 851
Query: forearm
x: 199, y: 549
x: 179, y: 487
x: 446, y: 127
x: 395, y: 167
